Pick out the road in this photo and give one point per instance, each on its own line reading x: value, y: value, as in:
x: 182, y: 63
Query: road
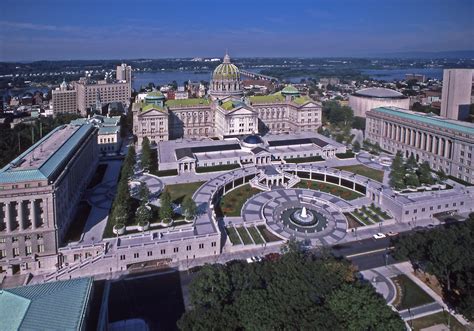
x: 368, y: 253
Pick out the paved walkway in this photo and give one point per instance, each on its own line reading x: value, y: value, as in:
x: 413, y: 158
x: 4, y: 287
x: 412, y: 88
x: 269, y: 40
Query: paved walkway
x: 380, y: 279
x: 271, y: 205
x: 366, y: 159
x: 100, y: 198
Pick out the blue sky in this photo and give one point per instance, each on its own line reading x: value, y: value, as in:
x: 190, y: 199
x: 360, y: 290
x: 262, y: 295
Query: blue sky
x: 87, y: 29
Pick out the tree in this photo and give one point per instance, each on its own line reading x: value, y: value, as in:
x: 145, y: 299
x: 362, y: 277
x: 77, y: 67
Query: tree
x: 143, y: 214
x: 397, y: 172
x: 144, y: 193
x: 356, y: 146
x: 358, y: 307
x: 412, y: 180
x: 189, y: 207
x: 411, y: 163
x: 424, y: 173
x: 166, y: 207
x: 146, y: 154
x: 442, y: 175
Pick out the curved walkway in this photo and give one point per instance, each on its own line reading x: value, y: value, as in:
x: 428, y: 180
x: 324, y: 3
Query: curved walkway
x: 270, y: 206
x: 366, y: 159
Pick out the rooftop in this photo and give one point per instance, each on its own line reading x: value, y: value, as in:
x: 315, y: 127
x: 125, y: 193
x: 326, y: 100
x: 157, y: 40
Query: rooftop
x: 379, y: 92
x: 277, y: 98
x: 51, y: 306
x: 428, y: 119
x: 188, y: 102
x: 46, y: 159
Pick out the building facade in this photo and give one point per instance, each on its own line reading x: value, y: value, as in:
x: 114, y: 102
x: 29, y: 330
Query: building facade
x: 64, y: 99
x: 456, y: 94
x: 443, y: 143
x: 39, y: 193
x: 109, y: 139
x: 225, y: 113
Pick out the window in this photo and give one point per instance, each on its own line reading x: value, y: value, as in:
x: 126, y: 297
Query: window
x: 3, y: 253
x: 213, y: 244
x: 149, y: 253
x: 2, y: 240
x: 39, y: 236
x: 406, y: 212
x: 16, y: 251
x: 136, y: 255
x: 28, y: 250
x: 163, y: 251
x: 201, y: 246
x: 188, y: 248
x: 122, y: 257
x: 176, y: 249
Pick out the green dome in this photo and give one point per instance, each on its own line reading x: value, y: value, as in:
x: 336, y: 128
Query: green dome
x: 290, y: 90
x: 226, y: 70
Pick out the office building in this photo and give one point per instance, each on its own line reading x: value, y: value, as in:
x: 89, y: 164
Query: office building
x: 444, y: 143
x: 39, y: 194
x: 456, y: 95
x: 64, y: 99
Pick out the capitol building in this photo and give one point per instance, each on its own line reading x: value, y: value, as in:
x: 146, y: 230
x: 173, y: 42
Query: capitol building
x: 225, y: 112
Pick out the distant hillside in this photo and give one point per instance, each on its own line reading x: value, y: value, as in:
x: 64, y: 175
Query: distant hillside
x: 462, y: 54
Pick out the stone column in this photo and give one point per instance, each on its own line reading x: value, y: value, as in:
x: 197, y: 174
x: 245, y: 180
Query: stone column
x: 8, y: 216
x: 447, y: 152
x: 21, y: 215
x: 33, y: 214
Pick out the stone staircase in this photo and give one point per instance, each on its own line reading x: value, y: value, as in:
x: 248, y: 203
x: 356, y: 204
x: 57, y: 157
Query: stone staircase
x: 255, y: 183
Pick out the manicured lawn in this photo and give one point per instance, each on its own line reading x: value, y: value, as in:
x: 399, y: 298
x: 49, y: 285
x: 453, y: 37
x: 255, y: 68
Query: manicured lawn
x: 77, y: 226
x: 364, y: 171
x: 305, y: 159
x: 436, y: 319
x: 409, y: 295
x: 179, y: 191
x: 257, y: 238
x: 233, y: 237
x: 244, y: 235
x: 231, y: 203
x: 267, y: 235
x: 217, y: 168
x: 166, y: 173
x: 336, y: 190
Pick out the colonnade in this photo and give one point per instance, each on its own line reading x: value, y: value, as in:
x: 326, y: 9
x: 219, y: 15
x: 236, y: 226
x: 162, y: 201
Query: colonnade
x: 419, y: 139
x: 21, y: 214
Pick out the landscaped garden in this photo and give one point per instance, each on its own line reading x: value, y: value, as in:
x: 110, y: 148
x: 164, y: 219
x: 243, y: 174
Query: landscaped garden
x: 244, y: 235
x: 370, y: 215
x: 408, y: 174
x: 409, y: 295
x: 256, y: 237
x: 233, y: 236
x: 352, y: 222
x: 266, y: 234
x: 333, y: 189
x: 347, y: 155
x: 179, y: 191
x: 231, y: 203
x: 362, y: 170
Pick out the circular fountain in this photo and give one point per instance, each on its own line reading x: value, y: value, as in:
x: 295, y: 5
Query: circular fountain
x: 303, y: 216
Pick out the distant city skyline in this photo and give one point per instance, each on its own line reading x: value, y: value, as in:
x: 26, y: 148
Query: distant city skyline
x: 60, y: 30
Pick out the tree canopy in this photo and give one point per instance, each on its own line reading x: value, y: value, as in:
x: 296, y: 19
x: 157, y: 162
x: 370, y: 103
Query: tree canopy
x: 296, y: 291
x: 166, y: 207
x: 445, y: 253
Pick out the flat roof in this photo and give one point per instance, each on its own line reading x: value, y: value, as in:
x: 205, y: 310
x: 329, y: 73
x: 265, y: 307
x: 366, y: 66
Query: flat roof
x: 428, y: 119
x: 187, y: 102
x: 46, y: 159
x: 189, y: 151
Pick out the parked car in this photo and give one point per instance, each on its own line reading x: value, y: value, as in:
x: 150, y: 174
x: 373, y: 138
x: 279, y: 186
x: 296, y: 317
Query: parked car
x: 392, y: 234
x: 379, y: 235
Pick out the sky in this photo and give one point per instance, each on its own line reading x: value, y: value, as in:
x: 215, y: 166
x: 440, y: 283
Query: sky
x: 120, y: 29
